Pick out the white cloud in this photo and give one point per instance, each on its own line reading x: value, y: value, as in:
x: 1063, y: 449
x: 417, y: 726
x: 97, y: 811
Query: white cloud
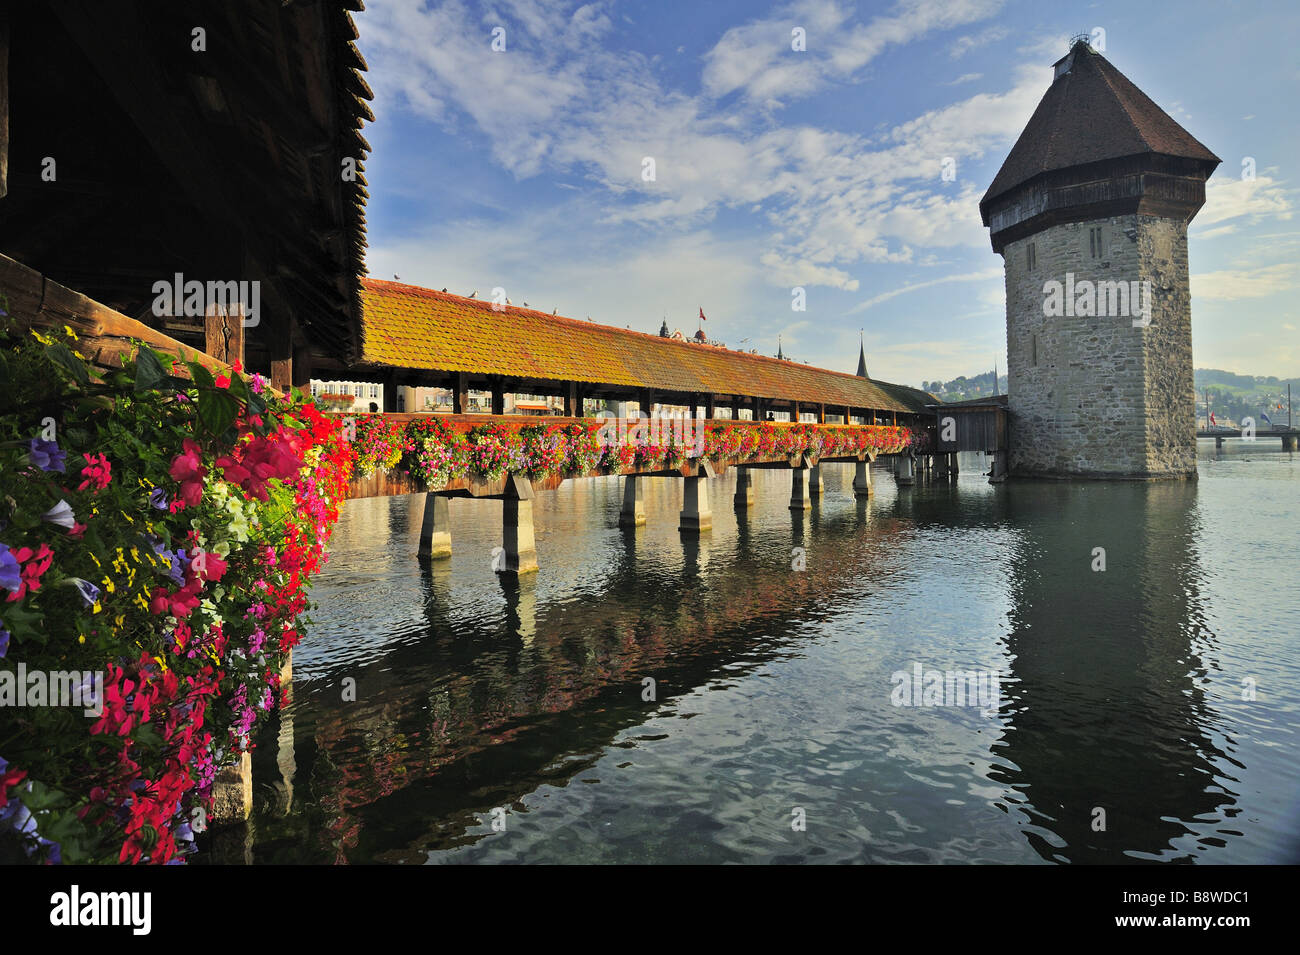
x: 1227, y: 198
x: 757, y: 60
x: 967, y: 43
x: 1235, y: 284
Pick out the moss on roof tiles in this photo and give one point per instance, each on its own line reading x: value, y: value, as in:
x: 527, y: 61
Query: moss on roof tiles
x: 406, y: 326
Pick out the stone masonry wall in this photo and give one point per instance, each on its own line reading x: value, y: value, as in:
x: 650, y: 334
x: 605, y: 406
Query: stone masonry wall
x: 1093, y: 396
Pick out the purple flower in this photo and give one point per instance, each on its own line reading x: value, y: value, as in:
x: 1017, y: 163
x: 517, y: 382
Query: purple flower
x: 61, y: 514
x: 158, y: 498
x: 179, y: 561
x: 11, y: 572
x: 89, y: 592
x: 46, y: 455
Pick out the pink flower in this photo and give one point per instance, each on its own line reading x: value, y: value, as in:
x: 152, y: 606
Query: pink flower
x: 97, y: 472
x: 38, y: 562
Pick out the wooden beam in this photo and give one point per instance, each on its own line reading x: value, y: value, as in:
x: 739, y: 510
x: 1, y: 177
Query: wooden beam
x: 571, y: 408
x: 223, y: 331
x: 460, y: 393
x: 498, y: 396
x: 4, y: 101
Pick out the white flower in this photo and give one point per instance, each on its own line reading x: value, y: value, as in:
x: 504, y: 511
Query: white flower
x: 60, y: 514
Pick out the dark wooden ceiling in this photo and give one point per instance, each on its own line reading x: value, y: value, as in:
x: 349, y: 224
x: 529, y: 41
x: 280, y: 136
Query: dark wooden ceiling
x: 221, y: 164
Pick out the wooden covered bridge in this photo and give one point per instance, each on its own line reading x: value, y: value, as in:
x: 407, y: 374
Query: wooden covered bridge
x: 416, y: 336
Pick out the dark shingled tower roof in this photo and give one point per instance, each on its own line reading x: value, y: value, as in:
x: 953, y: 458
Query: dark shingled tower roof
x: 1091, y: 113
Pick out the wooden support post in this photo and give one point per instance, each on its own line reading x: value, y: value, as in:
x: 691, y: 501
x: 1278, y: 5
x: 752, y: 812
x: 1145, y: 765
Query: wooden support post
x: 498, y: 397
x: 821, y: 414
x: 435, y: 530
x: 697, y: 516
x: 862, y: 479
x: 223, y: 331
x: 633, y: 511
x: 300, y: 377
x: 710, y: 408
x: 517, y: 537
x: 952, y: 463
x: 460, y: 393
x: 390, y: 391
x: 4, y: 101
x: 646, y: 401
x: 794, y: 411
x: 744, y: 488
x: 232, y: 792
x: 572, y: 408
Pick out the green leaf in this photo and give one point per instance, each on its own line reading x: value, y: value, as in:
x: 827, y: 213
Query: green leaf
x: 4, y: 372
x: 217, y: 410
x: 149, y: 372
x: 202, y: 377
x: 61, y: 355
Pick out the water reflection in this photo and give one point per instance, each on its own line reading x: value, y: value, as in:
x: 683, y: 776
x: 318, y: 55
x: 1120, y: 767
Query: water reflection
x: 1107, y: 748
x: 476, y: 691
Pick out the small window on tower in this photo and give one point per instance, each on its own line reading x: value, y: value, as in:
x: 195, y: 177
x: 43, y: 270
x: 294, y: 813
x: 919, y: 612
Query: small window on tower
x: 1033, y: 347
x: 1031, y: 257
x: 1094, y: 242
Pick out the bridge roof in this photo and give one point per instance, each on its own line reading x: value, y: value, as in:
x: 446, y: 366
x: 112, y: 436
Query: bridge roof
x: 405, y: 326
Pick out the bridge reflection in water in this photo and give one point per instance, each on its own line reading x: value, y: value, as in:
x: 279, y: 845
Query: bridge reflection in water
x: 476, y: 691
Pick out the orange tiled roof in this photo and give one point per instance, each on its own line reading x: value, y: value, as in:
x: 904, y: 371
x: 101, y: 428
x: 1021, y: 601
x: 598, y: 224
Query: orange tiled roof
x: 406, y: 326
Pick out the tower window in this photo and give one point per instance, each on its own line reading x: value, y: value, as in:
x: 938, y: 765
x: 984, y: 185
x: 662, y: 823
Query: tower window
x: 1095, y: 242
x: 1033, y: 351
x: 1031, y: 257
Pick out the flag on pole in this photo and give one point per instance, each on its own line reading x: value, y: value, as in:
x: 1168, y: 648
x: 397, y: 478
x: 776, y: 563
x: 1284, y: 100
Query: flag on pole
x: 1212, y: 421
x: 703, y: 317
x: 1264, y: 415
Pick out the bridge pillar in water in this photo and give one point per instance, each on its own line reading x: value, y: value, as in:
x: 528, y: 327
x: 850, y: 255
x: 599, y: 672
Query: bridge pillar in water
x: 232, y: 792
x: 1291, y: 442
x: 517, y: 538
x: 744, y: 487
x: 633, y: 511
x: 952, y: 464
x: 697, y: 516
x: 906, y: 472
x: 816, y: 486
x: 862, y: 479
x: 999, y: 473
x: 800, y: 498
x: 941, y: 466
x: 435, y: 530
x: 1218, y: 443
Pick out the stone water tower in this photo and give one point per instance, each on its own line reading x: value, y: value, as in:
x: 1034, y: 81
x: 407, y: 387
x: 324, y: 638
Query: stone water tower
x: 1089, y: 212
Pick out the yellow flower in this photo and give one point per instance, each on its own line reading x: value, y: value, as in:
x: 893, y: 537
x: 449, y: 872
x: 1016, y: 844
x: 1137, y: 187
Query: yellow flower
x: 98, y: 606
x: 43, y: 339
x: 81, y: 638
x: 70, y: 332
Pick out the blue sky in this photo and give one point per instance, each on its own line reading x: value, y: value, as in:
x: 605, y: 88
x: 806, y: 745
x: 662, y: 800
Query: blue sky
x: 774, y: 168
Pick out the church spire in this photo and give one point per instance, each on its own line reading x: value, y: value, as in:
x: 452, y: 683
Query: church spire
x: 862, y: 356
x: 778, y: 348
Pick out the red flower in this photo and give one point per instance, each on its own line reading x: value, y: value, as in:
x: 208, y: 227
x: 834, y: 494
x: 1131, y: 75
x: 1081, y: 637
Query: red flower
x: 38, y: 562
x: 97, y: 472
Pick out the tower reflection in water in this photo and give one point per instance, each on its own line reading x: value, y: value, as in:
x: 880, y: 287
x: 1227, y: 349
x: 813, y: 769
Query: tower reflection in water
x: 1109, y: 746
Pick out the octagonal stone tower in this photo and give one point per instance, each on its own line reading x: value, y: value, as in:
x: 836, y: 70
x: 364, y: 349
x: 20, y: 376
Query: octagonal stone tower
x: 1089, y: 212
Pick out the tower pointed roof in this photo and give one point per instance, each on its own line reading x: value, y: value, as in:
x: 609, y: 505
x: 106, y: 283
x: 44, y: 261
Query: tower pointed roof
x: 862, y: 360
x: 778, y: 348
x: 1090, y: 113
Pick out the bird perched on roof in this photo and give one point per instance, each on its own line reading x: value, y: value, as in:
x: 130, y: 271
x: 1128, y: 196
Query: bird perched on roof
x: 525, y: 304
x: 396, y: 276
x: 508, y: 302
x: 444, y: 288
x: 554, y: 310
x: 473, y: 293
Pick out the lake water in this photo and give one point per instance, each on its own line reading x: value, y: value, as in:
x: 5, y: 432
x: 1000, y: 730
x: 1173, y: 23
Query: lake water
x: 504, y: 721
